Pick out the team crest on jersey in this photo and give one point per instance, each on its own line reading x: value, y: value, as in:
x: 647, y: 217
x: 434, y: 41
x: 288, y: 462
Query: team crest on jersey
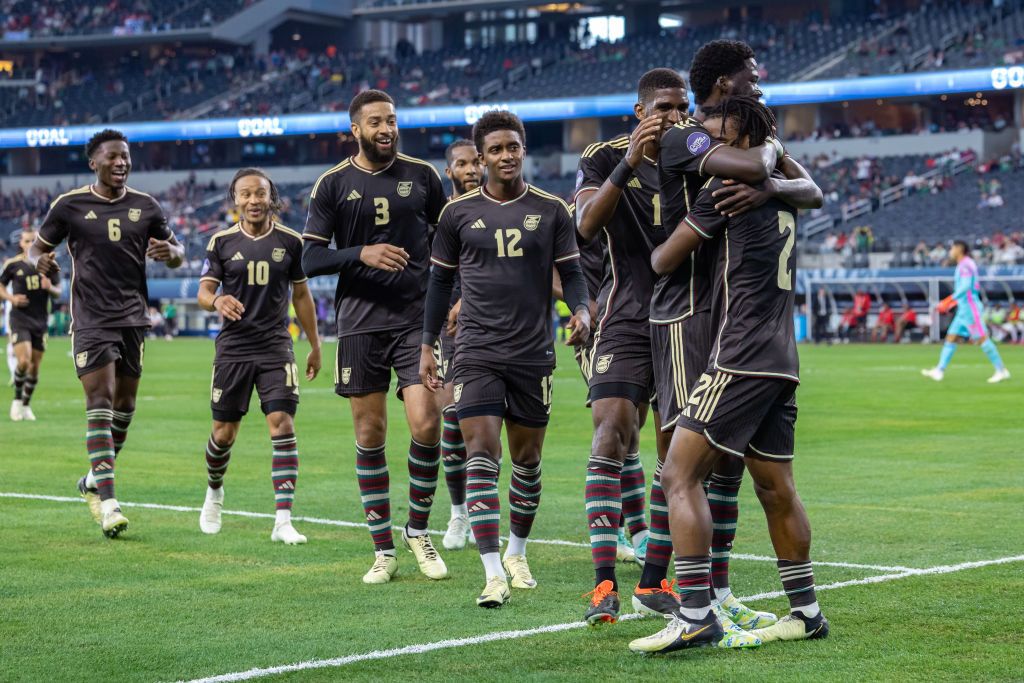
x: 277, y: 255
x: 215, y: 394
x: 603, y: 363
x: 346, y: 375
x: 532, y: 221
x: 134, y: 215
x: 405, y: 188
x: 21, y: 272
x: 458, y: 392
x: 81, y: 359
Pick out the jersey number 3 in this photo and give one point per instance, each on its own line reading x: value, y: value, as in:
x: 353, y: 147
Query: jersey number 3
x: 786, y: 222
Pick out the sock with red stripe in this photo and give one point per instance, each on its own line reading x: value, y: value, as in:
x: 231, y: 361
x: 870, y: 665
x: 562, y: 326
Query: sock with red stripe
x: 28, y: 389
x: 19, y: 384
x: 453, y: 456
x: 284, y: 470
x: 100, y: 445
x: 122, y: 419
x: 374, y: 492
x: 798, y: 582
x: 723, y: 494
x: 659, y: 544
x: 634, y: 490
x: 523, y: 499
x: 603, y: 499
x: 424, y: 462
x: 482, y: 500
x: 693, y: 578
x: 217, y: 458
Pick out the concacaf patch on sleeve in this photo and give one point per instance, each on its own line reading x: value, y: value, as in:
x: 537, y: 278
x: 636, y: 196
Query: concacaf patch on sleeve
x: 206, y: 267
x: 579, y: 179
x: 698, y: 142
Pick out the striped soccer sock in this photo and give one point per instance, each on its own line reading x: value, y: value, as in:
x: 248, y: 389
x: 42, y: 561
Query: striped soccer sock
x: 482, y: 499
x: 374, y: 491
x: 119, y: 428
x: 523, y: 499
x: 284, y: 470
x: 693, y: 576
x: 19, y: 384
x: 32, y: 380
x: 798, y: 582
x: 217, y: 458
x: 723, y: 498
x: 603, y: 500
x: 659, y: 543
x: 634, y: 490
x: 424, y: 462
x: 100, y: 445
x: 453, y: 455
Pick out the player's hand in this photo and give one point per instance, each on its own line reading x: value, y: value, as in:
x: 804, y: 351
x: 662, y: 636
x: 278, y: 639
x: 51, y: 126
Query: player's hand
x: 453, y: 318
x: 428, y: 369
x: 647, y: 131
x: 229, y: 307
x: 593, y: 314
x: 19, y: 301
x: 578, y: 327
x: 47, y: 264
x: 384, y: 257
x: 47, y: 283
x: 160, y: 250
x: 737, y: 198
x: 313, y: 364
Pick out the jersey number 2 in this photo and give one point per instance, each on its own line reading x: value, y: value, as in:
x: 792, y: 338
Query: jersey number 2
x: 508, y: 242
x: 786, y: 222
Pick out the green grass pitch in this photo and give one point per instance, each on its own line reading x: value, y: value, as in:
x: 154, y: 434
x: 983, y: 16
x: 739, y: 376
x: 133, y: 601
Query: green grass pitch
x: 895, y: 470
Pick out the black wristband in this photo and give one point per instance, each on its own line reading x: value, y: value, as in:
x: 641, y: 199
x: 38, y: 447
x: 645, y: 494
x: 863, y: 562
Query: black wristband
x: 213, y: 304
x: 621, y: 174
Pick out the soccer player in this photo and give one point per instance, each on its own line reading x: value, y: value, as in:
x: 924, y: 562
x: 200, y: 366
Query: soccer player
x: 111, y: 229
x: 617, y: 201
x: 505, y: 239
x: 465, y: 171
x: 967, y: 325
x: 254, y: 264
x: 379, y: 208
x: 744, y: 405
x: 29, y: 299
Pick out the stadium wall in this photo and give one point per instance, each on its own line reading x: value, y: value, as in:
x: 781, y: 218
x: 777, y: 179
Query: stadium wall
x: 985, y: 144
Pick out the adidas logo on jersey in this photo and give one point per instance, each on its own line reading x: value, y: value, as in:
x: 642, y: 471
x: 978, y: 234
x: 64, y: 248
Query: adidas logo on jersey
x: 601, y: 523
x: 354, y: 194
x: 478, y: 224
x: 635, y: 182
x: 238, y: 256
x: 91, y: 216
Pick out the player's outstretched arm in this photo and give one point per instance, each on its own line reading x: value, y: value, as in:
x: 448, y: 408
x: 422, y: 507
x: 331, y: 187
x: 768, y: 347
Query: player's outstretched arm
x: 797, y: 189
x: 305, y: 311
x: 439, y: 293
x: 751, y: 166
x: 320, y: 259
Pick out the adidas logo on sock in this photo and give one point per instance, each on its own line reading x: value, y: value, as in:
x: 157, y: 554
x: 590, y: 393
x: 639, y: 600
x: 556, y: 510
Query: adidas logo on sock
x: 478, y: 224
x: 428, y: 500
x: 526, y: 503
x: 601, y: 522
x: 354, y: 194
x: 479, y: 507
x: 91, y: 216
x: 286, y: 485
x: 372, y: 516
x: 238, y: 256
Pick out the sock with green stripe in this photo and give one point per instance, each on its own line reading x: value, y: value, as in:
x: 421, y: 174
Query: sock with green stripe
x: 424, y: 463
x: 32, y: 380
x: 284, y: 472
x: 798, y: 582
x: 634, y: 494
x: 603, y: 499
x: 19, y: 384
x: 119, y: 428
x: 100, y: 445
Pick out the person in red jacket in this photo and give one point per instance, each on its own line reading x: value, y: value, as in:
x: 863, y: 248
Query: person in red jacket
x: 885, y: 324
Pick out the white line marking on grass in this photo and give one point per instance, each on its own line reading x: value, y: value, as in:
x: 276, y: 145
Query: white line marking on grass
x: 358, y: 525
x: 556, y: 628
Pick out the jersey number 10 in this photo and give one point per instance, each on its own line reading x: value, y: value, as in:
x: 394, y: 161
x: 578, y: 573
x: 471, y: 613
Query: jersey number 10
x: 259, y: 272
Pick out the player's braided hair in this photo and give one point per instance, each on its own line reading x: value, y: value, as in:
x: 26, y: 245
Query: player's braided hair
x: 275, y: 196
x: 364, y: 98
x: 449, y: 152
x: 658, y: 79
x: 714, y: 60
x: 751, y: 116
x: 496, y: 120
x: 105, y: 135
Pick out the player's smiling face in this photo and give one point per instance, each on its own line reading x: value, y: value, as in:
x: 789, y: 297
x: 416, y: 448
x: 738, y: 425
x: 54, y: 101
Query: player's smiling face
x: 377, y: 131
x: 503, y: 155
x: 465, y: 170
x: 252, y: 199
x: 745, y: 81
x: 671, y: 104
x: 112, y: 163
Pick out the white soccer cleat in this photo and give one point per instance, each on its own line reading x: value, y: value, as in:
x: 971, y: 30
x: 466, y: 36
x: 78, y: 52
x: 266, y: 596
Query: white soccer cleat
x: 209, y: 517
x: 1000, y: 376
x: 114, y: 523
x: 286, y: 533
x: 934, y: 373
x: 519, y: 571
x: 29, y: 416
x: 16, y: 410
x: 384, y: 567
x: 624, y: 551
x: 430, y: 563
x: 457, y: 534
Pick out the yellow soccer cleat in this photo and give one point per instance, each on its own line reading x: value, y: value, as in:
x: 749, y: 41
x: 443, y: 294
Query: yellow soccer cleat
x: 495, y: 594
x: 734, y: 637
x: 431, y: 564
x: 114, y: 523
x: 744, y: 617
x: 92, y: 498
x: 519, y: 571
x: 794, y: 627
x: 384, y: 567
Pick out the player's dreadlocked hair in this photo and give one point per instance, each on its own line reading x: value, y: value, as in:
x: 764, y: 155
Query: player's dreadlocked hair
x: 275, y: 196
x: 105, y: 135
x: 496, y: 120
x: 714, y: 60
x: 364, y: 98
x: 751, y: 116
x: 450, y: 151
x: 658, y: 79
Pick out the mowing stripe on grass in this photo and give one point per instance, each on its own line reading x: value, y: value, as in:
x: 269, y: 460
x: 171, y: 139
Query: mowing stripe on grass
x: 556, y: 628
x: 359, y: 525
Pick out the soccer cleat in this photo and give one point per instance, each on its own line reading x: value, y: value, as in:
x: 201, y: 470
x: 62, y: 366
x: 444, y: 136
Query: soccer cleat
x: 496, y: 593
x: 286, y: 533
x: 114, y: 523
x: 16, y: 406
x: 734, y: 637
x: 518, y: 571
x: 29, y: 416
x: 794, y: 627
x: 640, y: 550
x: 744, y: 617
x: 1000, y: 376
x: 431, y: 564
x: 384, y: 567
x: 679, y: 634
x: 458, y: 532
x: 934, y: 373
x: 209, y: 517
x: 604, y: 605
x: 92, y: 498
x: 656, y: 602
x: 624, y: 549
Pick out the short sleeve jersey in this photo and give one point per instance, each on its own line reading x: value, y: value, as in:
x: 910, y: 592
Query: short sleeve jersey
x: 685, y: 148
x: 23, y: 278
x: 631, y: 235
x: 107, y: 240
x: 753, y: 278
x: 259, y: 272
x: 505, y: 253
x: 396, y: 205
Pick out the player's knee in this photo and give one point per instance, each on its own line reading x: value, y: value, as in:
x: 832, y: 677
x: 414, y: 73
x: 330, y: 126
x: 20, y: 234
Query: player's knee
x: 611, y: 438
x: 527, y: 457
x: 371, y: 431
x: 224, y: 433
x: 425, y: 429
x: 98, y: 402
x: 776, y: 495
x: 280, y: 423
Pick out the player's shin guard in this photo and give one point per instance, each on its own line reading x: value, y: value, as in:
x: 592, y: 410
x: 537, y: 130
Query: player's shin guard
x: 217, y: 458
x: 32, y: 380
x: 603, y: 498
x: 989, y: 347
x: 634, y: 490
x: 693, y: 578
x: 523, y: 499
x: 723, y: 493
x: 482, y: 500
x: 424, y: 462
x: 284, y: 470
x: 19, y: 384
x: 453, y: 456
x: 100, y: 445
x: 798, y: 582
x: 374, y: 485
x: 659, y: 545
x: 946, y: 355
x: 119, y: 428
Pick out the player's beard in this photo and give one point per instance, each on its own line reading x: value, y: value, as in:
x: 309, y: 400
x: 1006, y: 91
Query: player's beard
x: 370, y: 151
x: 460, y: 187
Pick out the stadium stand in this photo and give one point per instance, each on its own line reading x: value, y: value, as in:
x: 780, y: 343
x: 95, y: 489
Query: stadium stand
x: 22, y: 19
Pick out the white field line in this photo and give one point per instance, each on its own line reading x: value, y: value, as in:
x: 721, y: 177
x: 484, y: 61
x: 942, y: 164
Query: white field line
x: 357, y: 525
x: 555, y: 628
